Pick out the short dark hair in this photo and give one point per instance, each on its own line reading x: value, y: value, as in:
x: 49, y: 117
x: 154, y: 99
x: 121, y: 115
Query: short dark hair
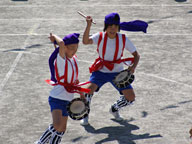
x: 106, y: 26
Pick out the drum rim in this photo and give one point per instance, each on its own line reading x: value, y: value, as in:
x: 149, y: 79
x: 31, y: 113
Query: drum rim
x: 118, y: 83
x: 85, y: 111
x: 120, y: 74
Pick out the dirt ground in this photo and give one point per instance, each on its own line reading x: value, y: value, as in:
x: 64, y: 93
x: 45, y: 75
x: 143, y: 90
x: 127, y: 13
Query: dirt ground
x: 161, y: 113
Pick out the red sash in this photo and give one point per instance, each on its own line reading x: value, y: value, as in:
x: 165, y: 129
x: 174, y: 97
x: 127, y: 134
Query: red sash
x: 100, y: 62
x: 70, y: 87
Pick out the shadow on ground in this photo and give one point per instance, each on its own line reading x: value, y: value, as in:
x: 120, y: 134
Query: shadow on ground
x: 28, y: 47
x: 180, y: 0
x: 19, y: 0
x: 176, y: 105
x: 121, y: 133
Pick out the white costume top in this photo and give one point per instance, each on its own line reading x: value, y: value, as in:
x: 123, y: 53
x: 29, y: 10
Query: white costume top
x: 110, y: 50
x: 59, y: 91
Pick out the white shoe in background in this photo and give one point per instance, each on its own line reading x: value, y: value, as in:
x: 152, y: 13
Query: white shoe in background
x: 84, y: 121
x: 116, y: 115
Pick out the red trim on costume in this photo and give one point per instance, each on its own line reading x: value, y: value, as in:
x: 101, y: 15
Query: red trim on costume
x: 123, y: 38
x: 76, y: 67
x: 104, y: 46
x: 117, y: 48
x: 70, y: 87
x: 100, y: 62
x: 99, y: 41
x: 72, y: 71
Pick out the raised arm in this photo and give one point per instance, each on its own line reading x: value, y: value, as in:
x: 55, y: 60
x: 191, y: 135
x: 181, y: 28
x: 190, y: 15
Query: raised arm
x: 60, y: 42
x: 86, y: 39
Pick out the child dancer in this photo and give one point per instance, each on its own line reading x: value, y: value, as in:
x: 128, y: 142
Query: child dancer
x: 110, y: 46
x: 65, y: 77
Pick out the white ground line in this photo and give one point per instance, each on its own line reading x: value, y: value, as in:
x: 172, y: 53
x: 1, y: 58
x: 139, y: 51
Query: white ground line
x: 17, y: 59
x: 24, y: 52
x: 28, y: 52
x: 71, y: 19
x: 77, y: 19
x: 83, y: 5
x: 165, y: 79
x: 147, y: 34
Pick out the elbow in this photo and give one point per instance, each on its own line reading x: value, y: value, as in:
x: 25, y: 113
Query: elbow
x: 85, y: 42
x: 138, y: 56
x: 61, y: 44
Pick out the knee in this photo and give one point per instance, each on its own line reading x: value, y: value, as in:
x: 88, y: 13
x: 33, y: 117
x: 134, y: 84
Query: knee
x: 130, y: 96
x: 93, y: 87
x: 59, y: 128
x: 91, y: 92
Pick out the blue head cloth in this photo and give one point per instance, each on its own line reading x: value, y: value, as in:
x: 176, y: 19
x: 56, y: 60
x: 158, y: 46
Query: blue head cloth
x: 71, y: 39
x: 137, y: 25
x: 112, y: 18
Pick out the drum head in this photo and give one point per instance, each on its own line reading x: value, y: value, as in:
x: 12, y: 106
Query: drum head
x: 121, y: 76
x: 78, y: 109
x: 123, y: 79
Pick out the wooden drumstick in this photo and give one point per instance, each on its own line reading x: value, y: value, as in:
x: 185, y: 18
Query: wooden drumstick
x: 53, y: 42
x: 84, y: 16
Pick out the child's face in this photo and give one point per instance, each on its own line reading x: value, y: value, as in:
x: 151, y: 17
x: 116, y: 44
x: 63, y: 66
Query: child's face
x: 71, y: 50
x: 112, y: 30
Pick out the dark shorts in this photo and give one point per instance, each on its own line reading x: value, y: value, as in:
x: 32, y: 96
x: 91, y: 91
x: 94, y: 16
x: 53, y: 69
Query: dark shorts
x: 58, y: 104
x: 100, y: 78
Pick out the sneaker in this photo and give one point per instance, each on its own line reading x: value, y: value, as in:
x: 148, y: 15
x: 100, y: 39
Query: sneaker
x: 116, y: 115
x: 37, y: 142
x: 84, y: 121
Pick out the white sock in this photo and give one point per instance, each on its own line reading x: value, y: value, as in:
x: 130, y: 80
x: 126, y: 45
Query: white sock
x: 46, y: 135
x: 56, y: 137
x: 122, y: 102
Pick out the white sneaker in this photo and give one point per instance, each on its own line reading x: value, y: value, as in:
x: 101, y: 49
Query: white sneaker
x: 37, y: 142
x: 84, y: 121
x: 116, y: 115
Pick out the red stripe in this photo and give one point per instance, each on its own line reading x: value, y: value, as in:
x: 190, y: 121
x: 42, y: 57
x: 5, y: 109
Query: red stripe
x: 56, y: 71
x: 104, y: 45
x: 76, y: 67
x: 66, y: 70
x: 117, y: 48
x: 72, y: 71
x: 123, y: 37
x: 65, y: 76
x: 99, y: 41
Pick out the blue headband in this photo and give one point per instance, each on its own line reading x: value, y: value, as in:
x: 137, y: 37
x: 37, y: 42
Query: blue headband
x: 137, y: 25
x: 70, y: 39
x: 112, y: 18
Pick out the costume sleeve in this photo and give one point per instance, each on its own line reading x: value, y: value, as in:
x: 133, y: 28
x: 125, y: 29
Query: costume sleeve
x: 129, y: 46
x: 95, y: 38
x: 51, y: 64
